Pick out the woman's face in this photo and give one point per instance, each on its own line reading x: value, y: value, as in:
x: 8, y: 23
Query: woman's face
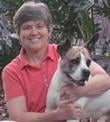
x: 34, y: 35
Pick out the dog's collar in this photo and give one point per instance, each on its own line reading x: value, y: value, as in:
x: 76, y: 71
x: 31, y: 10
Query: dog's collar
x: 75, y: 82
x: 70, y: 78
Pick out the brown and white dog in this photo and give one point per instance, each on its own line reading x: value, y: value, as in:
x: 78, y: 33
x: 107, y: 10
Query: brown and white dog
x: 73, y: 68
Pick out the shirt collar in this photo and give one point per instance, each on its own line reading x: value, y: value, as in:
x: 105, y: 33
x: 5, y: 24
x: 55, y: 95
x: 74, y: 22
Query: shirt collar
x: 25, y: 62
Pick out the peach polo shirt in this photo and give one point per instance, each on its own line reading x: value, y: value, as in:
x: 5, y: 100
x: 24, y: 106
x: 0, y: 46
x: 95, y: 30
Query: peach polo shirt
x: 22, y: 79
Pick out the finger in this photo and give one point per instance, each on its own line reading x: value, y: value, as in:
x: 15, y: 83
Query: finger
x: 77, y: 113
x: 64, y: 90
x: 77, y: 110
x: 65, y: 103
x: 76, y: 105
x: 65, y: 87
x: 69, y: 101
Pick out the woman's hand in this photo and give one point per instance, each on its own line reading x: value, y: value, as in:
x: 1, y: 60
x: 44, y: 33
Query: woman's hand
x: 71, y: 92
x: 68, y: 110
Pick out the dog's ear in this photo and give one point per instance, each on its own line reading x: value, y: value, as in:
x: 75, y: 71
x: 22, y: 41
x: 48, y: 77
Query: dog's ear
x: 63, y: 47
x: 89, y: 44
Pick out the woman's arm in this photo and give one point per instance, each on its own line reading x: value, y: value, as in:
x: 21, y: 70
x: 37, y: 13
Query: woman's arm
x: 99, y: 83
x: 18, y: 111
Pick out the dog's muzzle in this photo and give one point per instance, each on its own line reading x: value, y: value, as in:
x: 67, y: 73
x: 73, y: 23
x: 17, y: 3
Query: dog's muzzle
x: 85, y: 77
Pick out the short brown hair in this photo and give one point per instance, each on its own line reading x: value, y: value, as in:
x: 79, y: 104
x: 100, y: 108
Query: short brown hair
x: 32, y: 10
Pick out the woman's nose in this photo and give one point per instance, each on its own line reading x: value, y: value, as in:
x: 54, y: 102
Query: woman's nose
x: 34, y: 31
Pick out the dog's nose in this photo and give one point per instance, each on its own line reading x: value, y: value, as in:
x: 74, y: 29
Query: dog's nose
x: 86, y: 73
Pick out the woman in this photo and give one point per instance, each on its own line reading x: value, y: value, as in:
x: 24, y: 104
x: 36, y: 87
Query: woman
x: 26, y: 79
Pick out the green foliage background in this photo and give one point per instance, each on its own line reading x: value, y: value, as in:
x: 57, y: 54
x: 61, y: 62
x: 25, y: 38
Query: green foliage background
x: 71, y: 18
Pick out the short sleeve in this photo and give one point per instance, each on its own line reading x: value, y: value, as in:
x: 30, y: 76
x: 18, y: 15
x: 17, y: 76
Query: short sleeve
x: 11, y: 83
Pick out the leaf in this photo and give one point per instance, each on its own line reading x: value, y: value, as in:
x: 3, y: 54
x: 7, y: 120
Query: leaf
x: 86, y: 25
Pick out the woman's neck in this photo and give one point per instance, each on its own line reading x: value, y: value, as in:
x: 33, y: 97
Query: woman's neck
x: 36, y: 58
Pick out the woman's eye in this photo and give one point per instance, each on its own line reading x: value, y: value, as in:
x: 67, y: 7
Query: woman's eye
x: 26, y: 27
x: 40, y: 26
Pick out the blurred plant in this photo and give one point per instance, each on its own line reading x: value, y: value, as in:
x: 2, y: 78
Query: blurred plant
x: 74, y: 18
x: 102, y: 7
x: 8, y: 46
x: 71, y: 18
x: 10, y: 6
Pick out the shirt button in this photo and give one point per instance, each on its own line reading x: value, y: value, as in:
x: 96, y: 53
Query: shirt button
x: 45, y: 80
x: 43, y: 63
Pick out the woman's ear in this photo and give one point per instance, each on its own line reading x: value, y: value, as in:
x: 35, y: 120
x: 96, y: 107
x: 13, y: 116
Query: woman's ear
x: 19, y: 41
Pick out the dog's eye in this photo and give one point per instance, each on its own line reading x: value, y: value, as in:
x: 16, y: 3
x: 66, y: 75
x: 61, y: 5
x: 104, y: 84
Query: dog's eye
x: 88, y: 62
x: 75, y: 61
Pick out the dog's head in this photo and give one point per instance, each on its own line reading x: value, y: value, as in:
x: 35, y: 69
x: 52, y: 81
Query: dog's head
x: 74, y: 63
